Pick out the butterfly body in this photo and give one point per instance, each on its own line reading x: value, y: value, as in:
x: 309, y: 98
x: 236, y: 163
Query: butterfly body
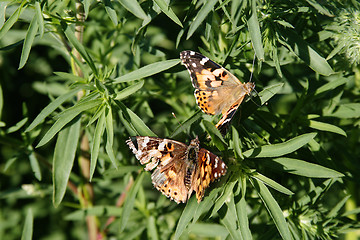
x: 179, y: 169
x: 216, y: 89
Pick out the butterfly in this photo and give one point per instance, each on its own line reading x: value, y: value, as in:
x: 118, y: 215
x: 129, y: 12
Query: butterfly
x: 216, y: 89
x: 179, y: 169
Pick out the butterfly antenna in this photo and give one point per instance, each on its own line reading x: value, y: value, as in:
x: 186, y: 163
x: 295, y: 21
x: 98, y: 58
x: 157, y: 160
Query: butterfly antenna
x: 250, y: 80
x: 180, y: 124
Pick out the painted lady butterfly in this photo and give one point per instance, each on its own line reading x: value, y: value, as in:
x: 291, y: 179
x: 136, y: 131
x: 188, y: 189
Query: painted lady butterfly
x: 179, y: 169
x: 216, y: 89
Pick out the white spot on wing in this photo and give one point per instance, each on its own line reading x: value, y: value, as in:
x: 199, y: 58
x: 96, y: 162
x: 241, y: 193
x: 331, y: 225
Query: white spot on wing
x: 145, y: 142
x: 204, y: 60
x: 216, y: 162
x: 215, y: 175
x: 223, y: 165
x: 162, y: 146
x: 193, y: 64
x: 192, y: 53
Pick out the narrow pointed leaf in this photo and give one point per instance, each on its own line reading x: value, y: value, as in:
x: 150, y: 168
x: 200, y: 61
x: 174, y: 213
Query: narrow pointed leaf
x: 27, y: 232
x: 200, y: 16
x: 186, y: 216
x: 129, y: 90
x: 66, y: 117
x: 273, y: 208
x: 11, y: 20
x: 79, y: 47
x: 34, y: 163
x: 186, y: 125
x: 147, y: 70
x: 326, y: 127
x: 29, y: 39
x: 139, y: 125
x: 269, y: 92
x: 64, y: 156
x: 40, y: 19
x: 280, y: 149
x: 111, y: 12
x: 165, y: 8
x: 241, y: 211
x: 134, y: 7
x: 130, y: 201
x: 254, y: 30
x: 230, y: 220
x: 50, y: 108
x: 95, y: 147
x: 272, y: 183
x: 302, y: 168
x: 306, y: 53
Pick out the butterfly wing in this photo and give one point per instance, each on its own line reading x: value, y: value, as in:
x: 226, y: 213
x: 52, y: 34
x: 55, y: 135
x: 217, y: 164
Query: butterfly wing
x: 216, y: 89
x: 210, y: 168
x: 167, y: 158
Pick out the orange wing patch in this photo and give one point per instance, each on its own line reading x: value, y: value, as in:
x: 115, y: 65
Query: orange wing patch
x: 205, y: 101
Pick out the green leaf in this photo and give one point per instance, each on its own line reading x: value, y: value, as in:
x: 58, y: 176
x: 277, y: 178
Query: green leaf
x: 272, y: 183
x: 254, y: 30
x: 147, y: 70
x: 109, y: 8
x: 280, y: 149
x: 17, y: 126
x: 134, y: 7
x: 186, y: 216
x: 70, y: 76
x: 306, y: 53
x: 346, y: 110
x: 269, y: 91
x: 139, y: 125
x: 230, y: 220
x: 40, y: 19
x: 326, y: 127
x: 209, y: 230
x: 331, y: 85
x: 273, y: 208
x: 216, y: 136
x: 29, y: 39
x: 206, y: 204
x: 27, y: 233
x: 66, y: 116
x: 64, y: 156
x: 50, y: 108
x: 79, y: 47
x: 236, y: 143
x: 151, y: 228
x: 129, y: 90
x: 241, y: 210
x: 11, y: 20
x: 35, y: 165
x: 228, y: 190
x: 130, y: 201
x: 336, y: 210
x: 187, y: 124
x: 200, y: 16
x: 110, y: 137
x: 302, y: 168
x: 165, y: 8
x: 96, y: 141
x: 2, y: 13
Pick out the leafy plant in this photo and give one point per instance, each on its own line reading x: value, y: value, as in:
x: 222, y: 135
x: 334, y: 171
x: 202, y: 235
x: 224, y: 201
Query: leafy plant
x: 80, y: 77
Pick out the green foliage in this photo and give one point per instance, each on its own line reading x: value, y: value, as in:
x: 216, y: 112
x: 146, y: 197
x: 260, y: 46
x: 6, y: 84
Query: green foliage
x: 78, y: 78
